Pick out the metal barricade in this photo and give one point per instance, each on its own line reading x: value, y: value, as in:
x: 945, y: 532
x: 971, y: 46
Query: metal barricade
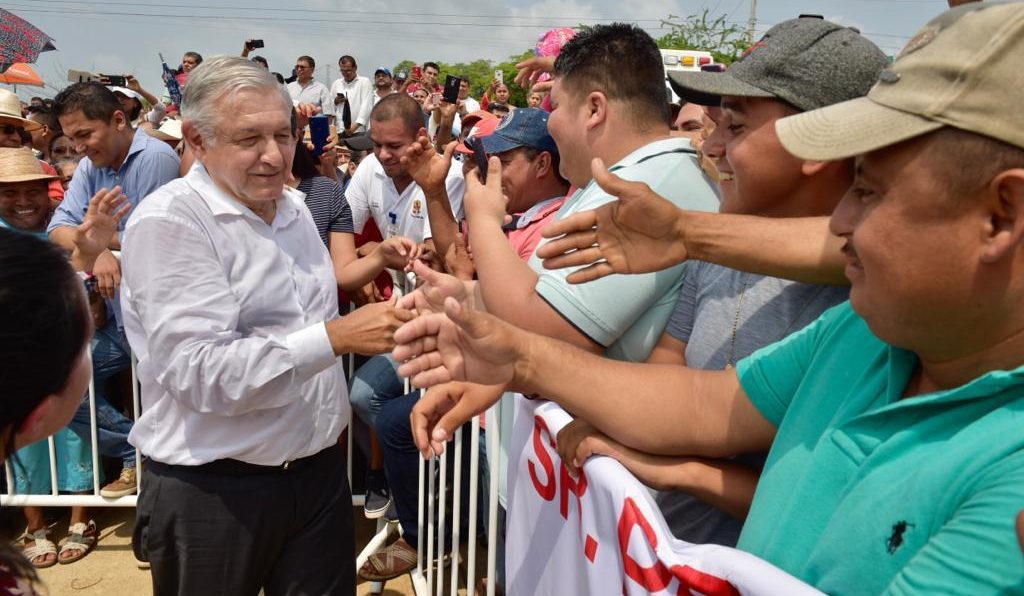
x: 428, y: 578
x: 11, y: 499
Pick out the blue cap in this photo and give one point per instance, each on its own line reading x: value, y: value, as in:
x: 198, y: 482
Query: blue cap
x: 523, y: 127
x: 382, y: 69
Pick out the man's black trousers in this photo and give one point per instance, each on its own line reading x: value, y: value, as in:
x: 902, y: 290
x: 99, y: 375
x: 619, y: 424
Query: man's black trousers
x: 232, y: 528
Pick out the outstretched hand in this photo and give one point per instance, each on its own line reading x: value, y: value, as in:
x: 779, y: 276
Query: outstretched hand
x: 105, y: 211
x: 531, y: 69
x: 428, y: 169
x: 638, y: 233
x: 443, y: 408
x: 457, y: 344
x: 434, y: 288
x: 399, y: 252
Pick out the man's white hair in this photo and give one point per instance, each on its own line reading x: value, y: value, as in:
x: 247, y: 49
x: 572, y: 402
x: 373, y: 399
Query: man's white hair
x: 220, y: 77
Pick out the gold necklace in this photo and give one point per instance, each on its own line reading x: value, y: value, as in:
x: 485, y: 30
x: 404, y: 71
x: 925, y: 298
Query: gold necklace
x: 736, y: 323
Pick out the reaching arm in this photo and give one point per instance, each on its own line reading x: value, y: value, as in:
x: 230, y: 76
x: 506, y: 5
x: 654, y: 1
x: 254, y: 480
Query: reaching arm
x: 668, y: 350
x: 430, y: 171
x: 106, y: 209
x: 724, y: 484
x: 802, y: 249
x: 672, y: 409
x: 506, y: 283
x: 353, y: 273
x: 643, y: 232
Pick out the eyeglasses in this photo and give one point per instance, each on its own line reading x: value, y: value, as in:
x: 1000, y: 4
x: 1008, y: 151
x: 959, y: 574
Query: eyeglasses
x: 10, y: 129
x: 61, y: 151
x: 300, y: 67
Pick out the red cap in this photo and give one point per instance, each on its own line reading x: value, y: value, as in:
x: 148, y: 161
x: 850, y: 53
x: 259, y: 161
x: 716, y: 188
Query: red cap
x: 483, y: 127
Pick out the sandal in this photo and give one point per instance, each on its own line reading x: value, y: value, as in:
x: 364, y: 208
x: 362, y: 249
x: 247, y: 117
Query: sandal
x: 41, y: 548
x: 80, y: 541
x: 395, y: 560
x: 481, y: 588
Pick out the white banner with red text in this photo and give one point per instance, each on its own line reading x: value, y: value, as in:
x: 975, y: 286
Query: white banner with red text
x: 602, y: 533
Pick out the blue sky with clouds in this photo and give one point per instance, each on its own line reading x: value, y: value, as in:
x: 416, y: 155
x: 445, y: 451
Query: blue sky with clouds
x: 122, y: 36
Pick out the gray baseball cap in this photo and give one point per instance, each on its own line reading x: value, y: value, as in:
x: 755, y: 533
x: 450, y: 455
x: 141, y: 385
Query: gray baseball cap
x: 807, y: 62
x: 961, y: 70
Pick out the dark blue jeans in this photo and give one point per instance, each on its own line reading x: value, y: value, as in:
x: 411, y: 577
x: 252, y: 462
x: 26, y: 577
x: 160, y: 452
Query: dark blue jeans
x: 401, y: 463
x: 110, y: 355
x: 373, y: 384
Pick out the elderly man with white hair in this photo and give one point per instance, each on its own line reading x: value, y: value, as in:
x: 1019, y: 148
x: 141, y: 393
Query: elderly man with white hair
x: 231, y: 306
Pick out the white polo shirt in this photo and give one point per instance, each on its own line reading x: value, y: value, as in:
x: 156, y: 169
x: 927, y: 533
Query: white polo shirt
x: 359, y: 94
x: 372, y: 194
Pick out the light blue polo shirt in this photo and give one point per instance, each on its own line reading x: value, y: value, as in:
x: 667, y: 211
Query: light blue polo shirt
x: 867, y: 493
x: 627, y: 313
x: 150, y: 164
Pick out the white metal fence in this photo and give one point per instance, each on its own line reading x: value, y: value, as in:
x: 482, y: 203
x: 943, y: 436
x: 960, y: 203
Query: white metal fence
x: 55, y: 499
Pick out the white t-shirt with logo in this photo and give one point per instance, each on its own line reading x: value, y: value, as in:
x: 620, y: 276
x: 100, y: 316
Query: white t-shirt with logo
x: 372, y: 194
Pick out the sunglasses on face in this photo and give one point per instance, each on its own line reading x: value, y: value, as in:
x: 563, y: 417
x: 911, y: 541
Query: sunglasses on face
x: 61, y: 151
x: 10, y: 129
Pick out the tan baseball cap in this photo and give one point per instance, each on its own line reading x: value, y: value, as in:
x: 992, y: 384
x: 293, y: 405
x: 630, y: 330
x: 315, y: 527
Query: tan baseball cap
x: 20, y: 165
x: 961, y: 70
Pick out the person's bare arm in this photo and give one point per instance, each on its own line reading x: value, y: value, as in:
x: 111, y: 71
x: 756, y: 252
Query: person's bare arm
x: 672, y: 410
x: 105, y: 265
x: 134, y: 85
x: 353, y: 273
x: 447, y: 113
x: 643, y: 232
x: 429, y: 170
x: 506, y: 283
x: 724, y: 484
x: 91, y: 238
x: 668, y: 350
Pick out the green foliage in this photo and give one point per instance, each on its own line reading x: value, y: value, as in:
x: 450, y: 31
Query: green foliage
x: 480, y: 74
x: 725, y: 41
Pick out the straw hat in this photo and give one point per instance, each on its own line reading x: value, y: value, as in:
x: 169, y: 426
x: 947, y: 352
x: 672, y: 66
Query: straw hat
x: 10, y: 111
x: 170, y: 130
x: 19, y: 165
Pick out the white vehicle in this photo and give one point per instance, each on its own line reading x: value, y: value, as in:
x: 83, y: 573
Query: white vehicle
x: 683, y: 60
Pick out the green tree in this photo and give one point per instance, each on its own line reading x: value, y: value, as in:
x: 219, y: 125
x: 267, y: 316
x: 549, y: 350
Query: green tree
x: 724, y: 40
x: 480, y: 74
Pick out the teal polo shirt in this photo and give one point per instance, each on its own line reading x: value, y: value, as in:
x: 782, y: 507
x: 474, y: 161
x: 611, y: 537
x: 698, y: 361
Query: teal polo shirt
x: 627, y: 313
x: 867, y: 493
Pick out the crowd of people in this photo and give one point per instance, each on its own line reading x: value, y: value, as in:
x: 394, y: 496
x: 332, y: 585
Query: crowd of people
x: 803, y: 279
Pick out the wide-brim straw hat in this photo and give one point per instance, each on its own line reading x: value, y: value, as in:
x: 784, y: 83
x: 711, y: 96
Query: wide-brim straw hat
x: 170, y: 130
x: 10, y: 111
x: 20, y: 165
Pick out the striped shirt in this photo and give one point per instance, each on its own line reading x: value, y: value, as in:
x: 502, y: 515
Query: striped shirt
x: 328, y: 206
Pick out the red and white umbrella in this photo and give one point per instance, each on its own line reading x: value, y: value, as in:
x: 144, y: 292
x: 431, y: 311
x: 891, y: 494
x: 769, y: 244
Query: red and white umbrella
x: 20, y: 41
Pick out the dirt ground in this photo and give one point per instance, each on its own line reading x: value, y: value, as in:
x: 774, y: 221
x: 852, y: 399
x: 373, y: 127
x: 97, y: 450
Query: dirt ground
x: 111, y: 570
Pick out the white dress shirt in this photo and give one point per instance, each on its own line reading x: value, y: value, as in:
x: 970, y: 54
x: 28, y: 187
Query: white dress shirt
x: 226, y: 316
x: 314, y: 93
x: 359, y: 95
x: 372, y: 194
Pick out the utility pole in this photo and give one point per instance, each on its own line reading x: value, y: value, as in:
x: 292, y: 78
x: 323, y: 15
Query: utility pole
x: 752, y: 24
